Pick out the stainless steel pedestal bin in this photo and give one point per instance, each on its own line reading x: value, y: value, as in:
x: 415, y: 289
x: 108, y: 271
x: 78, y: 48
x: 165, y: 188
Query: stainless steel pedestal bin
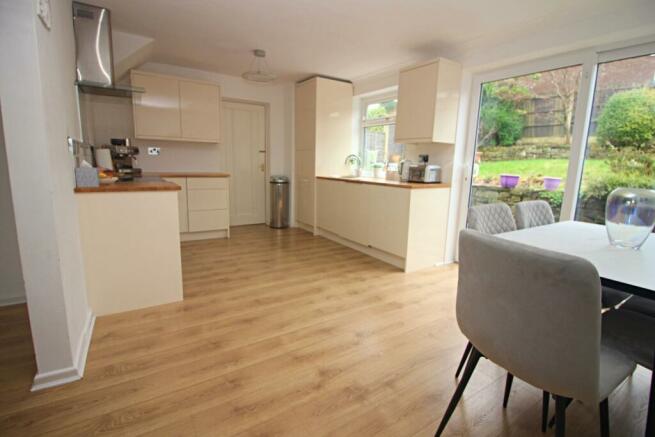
x: 279, y: 202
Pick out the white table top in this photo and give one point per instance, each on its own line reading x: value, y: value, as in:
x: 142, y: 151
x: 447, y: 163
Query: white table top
x: 589, y: 241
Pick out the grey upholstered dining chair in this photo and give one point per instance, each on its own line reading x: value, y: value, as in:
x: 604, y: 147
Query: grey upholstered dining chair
x: 536, y: 313
x: 492, y: 218
x: 531, y: 213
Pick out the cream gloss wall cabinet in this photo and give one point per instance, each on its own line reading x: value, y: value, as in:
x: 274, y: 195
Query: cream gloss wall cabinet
x: 176, y: 109
x: 323, y: 136
x: 428, y: 102
x: 203, y: 207
x: 405, y: 227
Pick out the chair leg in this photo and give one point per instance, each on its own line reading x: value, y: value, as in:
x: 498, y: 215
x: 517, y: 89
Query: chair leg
x: 604, y: 419
x: 508, y: 388
x: 468, y: 371
x: 544, y: 411
x: 467, y: 352
x: 561, y: 403
x: 566, y: 404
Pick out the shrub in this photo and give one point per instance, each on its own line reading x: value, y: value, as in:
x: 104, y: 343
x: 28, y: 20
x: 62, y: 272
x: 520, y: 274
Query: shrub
x: 501, y: 122
x: 630, y: 161
x: 506, y: 121
x: 554, y: 198
x: 628, y: 119
x: 601, y: 187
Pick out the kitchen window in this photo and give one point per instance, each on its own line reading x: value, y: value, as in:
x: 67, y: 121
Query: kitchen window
x: 378, y: 132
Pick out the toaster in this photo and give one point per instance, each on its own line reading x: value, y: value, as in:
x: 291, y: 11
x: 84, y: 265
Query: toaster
x: 426, y: 173
x: 432, y: 174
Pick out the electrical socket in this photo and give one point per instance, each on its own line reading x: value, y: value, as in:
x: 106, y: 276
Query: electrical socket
x: 43, y: 11
x: 154, y: 151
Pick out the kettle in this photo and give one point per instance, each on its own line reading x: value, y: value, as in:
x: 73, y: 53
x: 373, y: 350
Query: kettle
x: 403, y: 169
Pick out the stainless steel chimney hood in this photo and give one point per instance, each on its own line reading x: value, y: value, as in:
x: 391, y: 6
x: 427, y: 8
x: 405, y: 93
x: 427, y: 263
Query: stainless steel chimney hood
x: 94, y: 55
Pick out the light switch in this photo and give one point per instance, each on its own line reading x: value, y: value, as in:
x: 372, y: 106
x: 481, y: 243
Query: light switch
x: 43, y: 12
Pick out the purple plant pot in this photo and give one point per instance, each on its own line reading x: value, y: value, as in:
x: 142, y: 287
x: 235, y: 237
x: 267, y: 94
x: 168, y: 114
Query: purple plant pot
x: 509, y: 180
x: 551, y: 184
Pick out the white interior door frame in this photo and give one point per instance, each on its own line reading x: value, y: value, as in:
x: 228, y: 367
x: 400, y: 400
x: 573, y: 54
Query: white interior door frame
x: 267, y: 174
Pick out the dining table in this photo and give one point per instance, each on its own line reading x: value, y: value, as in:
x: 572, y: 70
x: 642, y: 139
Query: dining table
x: 625, y: 269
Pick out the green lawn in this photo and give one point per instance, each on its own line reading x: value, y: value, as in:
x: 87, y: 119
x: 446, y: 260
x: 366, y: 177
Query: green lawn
x: 537, y: 168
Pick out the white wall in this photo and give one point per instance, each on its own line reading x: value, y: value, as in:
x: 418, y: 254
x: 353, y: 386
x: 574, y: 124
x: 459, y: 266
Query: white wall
x: 12, y: 289
x: 39, y: 110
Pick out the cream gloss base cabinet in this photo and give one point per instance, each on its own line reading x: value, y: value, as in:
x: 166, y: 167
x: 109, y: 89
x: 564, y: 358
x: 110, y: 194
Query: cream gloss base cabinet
x: 182, y: 203
x: 401, y: 226
x: 176, y: 109
x: 428, y: 102
x: 203, y: 207
x: 343, y: 209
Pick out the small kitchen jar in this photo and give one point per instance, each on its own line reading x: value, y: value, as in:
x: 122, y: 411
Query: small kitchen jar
x: 378, y: 171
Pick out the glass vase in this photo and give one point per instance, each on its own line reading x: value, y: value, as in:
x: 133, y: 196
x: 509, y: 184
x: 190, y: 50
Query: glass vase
x: 630, y: 216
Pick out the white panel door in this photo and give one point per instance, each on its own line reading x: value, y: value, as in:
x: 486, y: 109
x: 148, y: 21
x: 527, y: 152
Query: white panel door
x: 245, y: 147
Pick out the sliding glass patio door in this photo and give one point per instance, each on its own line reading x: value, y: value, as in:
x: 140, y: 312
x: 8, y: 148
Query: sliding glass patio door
x: 620, y: 146
x: 523, y: 140
x: 566, y: 130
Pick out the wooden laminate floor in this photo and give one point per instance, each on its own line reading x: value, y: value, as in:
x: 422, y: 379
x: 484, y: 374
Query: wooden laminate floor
x: 286, y: 334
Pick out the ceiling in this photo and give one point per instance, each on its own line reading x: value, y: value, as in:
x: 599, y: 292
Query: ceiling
x: 351, y: 39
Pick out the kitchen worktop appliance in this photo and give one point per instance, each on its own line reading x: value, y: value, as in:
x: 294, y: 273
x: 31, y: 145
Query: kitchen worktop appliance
x: 123, y: 156
x: 423, y: 172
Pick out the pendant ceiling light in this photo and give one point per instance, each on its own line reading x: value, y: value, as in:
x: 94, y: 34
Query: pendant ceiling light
x: 259, y: 71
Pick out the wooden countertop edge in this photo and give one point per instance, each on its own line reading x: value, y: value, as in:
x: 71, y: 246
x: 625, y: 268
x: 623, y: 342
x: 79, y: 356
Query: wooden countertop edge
x: 125, y: 187
x: 383, y: 182
x: 191, y: 174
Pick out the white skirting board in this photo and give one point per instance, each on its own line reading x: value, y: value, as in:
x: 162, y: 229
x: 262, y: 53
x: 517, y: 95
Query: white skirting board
x: 207, y: 235
x: 5, y: 302
x: 305, y: 227
x: 75, y: 372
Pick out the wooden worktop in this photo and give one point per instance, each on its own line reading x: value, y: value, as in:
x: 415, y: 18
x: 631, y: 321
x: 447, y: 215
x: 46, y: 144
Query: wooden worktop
x: 385, y: 182
x: 188, y: 174
x: 139, y: 184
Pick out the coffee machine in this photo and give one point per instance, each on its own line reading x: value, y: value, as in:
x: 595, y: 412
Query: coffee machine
x: 123, y: 156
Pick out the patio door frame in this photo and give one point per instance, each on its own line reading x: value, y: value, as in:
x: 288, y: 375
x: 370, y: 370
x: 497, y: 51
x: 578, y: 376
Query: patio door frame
x: 588, y: 59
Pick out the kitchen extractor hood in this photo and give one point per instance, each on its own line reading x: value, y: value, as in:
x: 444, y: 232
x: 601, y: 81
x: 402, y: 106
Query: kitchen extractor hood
x: 94, y: 56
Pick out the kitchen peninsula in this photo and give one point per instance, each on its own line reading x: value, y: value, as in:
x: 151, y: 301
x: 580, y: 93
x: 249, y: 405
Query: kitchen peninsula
x: 131, y: 244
